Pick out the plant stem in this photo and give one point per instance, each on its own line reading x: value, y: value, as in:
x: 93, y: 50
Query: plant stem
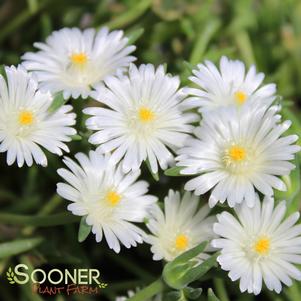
x: 244, y: 45
x: 39, y: 221
x: 46, y: 209
x: 220, y: 289
x: 149, y: 291
x: 51, y: 205
x: 130, y: 15
x: 203, y: 40
x: 130, y: 284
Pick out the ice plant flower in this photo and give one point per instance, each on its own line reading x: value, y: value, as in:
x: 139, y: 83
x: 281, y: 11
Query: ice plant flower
x: 236, y: 151
x: 110, y: 199
x: 25, y: 122
x: 259, y: 246
x: 231, y: 84
x: 73, y: 61
x: 144, y: 118
x: 180, y: 227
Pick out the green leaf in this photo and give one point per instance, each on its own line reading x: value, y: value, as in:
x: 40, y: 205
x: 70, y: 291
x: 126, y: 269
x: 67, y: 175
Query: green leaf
x: 149, y: 291
x: 202, y: 42
x: 172, y: 296
x: 211, y: 295
x: 154, y: 175
x: 15, y: 247
x: 190, y: 254
x: 189, y: 67
x: 130, y: 15
x: 76, y: 137
x: 134, y: 35
x: 200, y: 270
x: 2, y: 71
x: 57, y: 102
x: 84, y: 230
x: 192, y: 293
x: 183, y: 270
x: 174, y: 171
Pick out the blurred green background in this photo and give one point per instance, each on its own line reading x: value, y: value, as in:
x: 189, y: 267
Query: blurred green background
x: 174, y: 32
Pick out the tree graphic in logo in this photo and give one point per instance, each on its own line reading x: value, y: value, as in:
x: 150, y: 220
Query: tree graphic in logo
x: 10, y: 276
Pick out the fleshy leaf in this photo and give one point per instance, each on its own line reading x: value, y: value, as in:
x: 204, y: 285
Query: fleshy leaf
x: 84, y: 230
x: 211, y: 295
x: 57, y: 102
x: 192, y: 293
x: 184, y: 269
x: 174, y: 171
x: 134, y: 35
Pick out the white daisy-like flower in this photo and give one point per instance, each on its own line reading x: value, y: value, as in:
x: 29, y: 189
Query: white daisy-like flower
x: 145, y: 118
x: 26, y: 123
x: 74, y: 61
x: 182, y: 226
x: 236, y: 151
x: 110, y: 199
x: 259, y: 246
x: 229, y: 85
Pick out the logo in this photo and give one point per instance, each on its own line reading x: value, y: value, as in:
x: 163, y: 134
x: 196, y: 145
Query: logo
x: 57, y: 281
x: 10, y: 276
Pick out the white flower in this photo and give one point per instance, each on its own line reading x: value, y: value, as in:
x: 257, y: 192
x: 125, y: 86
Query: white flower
x: 73, y: 61
x: 110, y: 199
x: 144, y: 118
x: 25, y: 122
x: 258, y: 246
x: 182, y: 226
x: 230, y: 85
x: 237, y: 150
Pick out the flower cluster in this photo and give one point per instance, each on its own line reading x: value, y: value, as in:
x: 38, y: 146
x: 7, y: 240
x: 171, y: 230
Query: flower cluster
x: 225, y: 131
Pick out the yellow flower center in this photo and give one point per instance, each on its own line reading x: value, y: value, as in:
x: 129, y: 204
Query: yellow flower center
x: 113, y: 198
x: 79, y: 59
x: 240, y: 97
x: 237, y: 153
x: 145, y: 114
x: 26, y: 118
x: 262, y: 246
x: 181, y: 242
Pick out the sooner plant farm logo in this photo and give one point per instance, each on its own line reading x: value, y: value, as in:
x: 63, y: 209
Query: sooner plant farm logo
x: 57, y: 281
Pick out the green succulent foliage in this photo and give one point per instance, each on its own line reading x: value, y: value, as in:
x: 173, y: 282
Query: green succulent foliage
x: 185, y: 268
x: 57, y: 102
x: 174, y: 171
x: 178, y: 34
x: 211, y: 296
x: 84, y: 230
